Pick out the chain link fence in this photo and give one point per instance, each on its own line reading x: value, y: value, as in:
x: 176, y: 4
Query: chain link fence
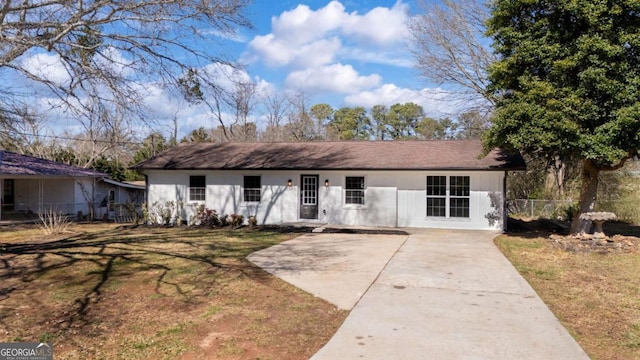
x: 626, y: 210
x: 536, y: 208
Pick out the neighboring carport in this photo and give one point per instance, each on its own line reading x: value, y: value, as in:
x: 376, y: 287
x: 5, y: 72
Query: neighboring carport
x: 31, y: 185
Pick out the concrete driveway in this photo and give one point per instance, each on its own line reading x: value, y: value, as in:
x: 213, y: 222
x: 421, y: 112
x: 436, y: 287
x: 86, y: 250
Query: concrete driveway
x: 435, y: 294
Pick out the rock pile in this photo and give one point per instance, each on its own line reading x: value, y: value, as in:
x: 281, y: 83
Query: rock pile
x: 587, y: 243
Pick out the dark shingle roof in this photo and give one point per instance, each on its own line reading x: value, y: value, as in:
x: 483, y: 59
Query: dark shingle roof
x: 339, y: 155
x: 23, y: 165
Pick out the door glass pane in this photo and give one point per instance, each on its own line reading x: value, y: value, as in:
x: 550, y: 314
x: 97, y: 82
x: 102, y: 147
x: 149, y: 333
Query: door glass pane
x: 309, y: 193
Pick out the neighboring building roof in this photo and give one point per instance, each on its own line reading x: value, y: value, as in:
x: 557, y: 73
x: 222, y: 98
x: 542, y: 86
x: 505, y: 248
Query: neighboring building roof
x: 137, y: 185
x: 140, y: 183
x: 335, y: 155
x: 24, y: 165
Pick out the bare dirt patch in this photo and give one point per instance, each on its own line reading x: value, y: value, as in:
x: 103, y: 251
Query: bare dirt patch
x: 593, y: 286
x: 103, y: 291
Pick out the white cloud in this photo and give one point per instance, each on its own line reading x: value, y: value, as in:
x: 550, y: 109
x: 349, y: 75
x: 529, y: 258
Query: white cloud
x: 166, y: 105
x: 225, y: 76
x: 436, y: 102
x: 317, y: 53
x: 112, y: 58
x: 268, y: 49
x: 230, y: 35
x: 302, y: 25
x: 161, y: 101
x: 398, y: 59
x: 278, y: 52
x: 303, y: 37
x: 333, y: 78
x: 263, y: 87
x: 48, y: 67
x: 380, y: 25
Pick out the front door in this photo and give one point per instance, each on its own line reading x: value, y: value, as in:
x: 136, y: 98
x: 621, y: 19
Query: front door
x: 309, y: 197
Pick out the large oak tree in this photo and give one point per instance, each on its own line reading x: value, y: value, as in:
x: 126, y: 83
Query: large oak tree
x: 567, y: 84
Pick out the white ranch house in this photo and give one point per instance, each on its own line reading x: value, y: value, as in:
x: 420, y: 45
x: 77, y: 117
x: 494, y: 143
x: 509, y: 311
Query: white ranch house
x: 430, y: 184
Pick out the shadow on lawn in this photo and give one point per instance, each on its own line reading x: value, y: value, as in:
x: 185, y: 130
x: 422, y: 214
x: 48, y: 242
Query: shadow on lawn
x: 117, y: 253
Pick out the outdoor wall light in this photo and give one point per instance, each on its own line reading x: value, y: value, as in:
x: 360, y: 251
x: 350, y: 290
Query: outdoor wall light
x: 289, y: 183
x: 326, y: 183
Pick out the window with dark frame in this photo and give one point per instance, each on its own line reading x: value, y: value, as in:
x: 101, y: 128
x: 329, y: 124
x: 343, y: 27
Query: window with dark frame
x: 354, y: 190
x: 436, y: 196
x: 459, y: 193
x: 197, y: 187
x: 252, y: 188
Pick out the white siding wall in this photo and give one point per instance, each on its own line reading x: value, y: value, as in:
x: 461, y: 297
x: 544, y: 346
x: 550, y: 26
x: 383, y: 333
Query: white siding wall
x: 485, y: 209
x: 391, y: 198
x: 379, y: 208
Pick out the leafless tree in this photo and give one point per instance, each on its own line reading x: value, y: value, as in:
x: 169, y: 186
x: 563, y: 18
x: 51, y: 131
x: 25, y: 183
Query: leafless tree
x: 243, y: 101
x: 449, y: 45
x: 105, y: 135
x: 274, y: 109
x: 21, y: 131
x: 300, y: 125
x: 247, y: 133
x: 103, y: 51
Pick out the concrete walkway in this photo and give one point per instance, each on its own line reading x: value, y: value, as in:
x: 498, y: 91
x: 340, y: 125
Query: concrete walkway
x: 442, y: 295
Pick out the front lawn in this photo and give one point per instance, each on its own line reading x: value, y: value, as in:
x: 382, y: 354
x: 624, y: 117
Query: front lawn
x: 104, y: 291
x: 596, y: 295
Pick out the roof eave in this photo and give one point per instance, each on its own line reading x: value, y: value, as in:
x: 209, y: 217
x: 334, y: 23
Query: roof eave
x: 462, y: 168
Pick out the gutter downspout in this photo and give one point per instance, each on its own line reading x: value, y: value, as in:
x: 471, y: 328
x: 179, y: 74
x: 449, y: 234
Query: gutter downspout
x: 93, y: 197
x: 146, y: 197
x: 505, y: 214
x: 146, y: 189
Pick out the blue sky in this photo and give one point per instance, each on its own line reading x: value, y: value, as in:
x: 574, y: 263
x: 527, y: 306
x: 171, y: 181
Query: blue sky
x: 345, y: 53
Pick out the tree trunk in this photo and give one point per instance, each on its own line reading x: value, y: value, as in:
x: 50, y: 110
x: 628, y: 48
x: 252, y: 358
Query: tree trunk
x: 558, y: 175
x: 588, y: 194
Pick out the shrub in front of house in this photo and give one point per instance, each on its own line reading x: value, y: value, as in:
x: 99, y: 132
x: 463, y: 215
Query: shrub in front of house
x: 234, y: 220
x: 203, y: 216
x: 210, y: 218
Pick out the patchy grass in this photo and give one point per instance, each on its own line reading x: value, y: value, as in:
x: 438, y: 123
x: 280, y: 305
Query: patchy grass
x: 596, y: 296
x: 103, y: 291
